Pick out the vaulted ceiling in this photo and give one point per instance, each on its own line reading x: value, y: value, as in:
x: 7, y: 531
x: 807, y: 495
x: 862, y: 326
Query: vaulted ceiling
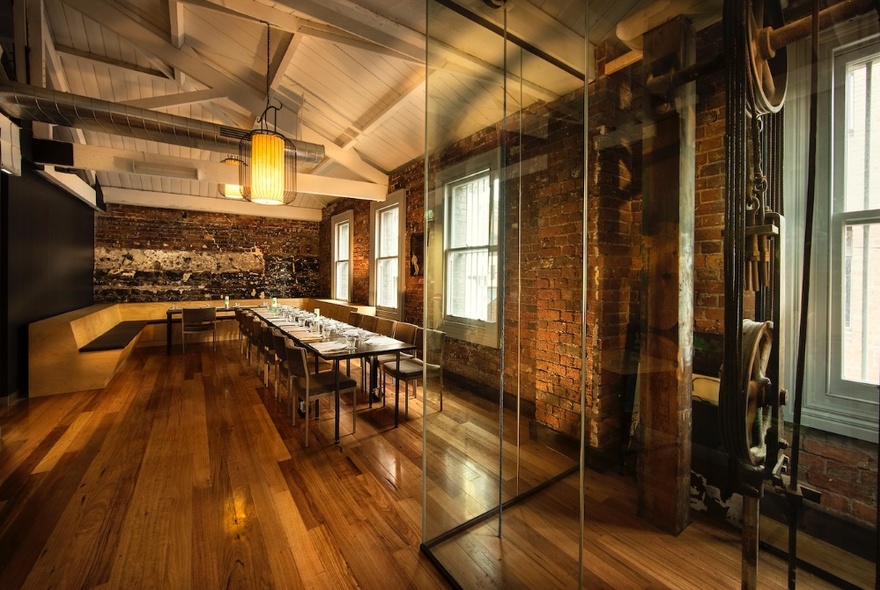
x: 350, y: 77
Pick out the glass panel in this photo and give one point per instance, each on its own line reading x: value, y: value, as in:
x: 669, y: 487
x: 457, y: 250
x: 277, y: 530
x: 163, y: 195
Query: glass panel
x: 861, y: 334
x: 386, y: 282
x: 862, y: 168
x: 471, y: 289
x: 342, y: 241
x: 341, y: 281
x: 617, y: 306
x: 503, y: 281
x: 470, y: 213
x: 388, y: 238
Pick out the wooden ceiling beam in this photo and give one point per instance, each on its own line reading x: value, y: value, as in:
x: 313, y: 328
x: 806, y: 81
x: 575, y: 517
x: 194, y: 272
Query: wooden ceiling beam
x: 250, y: 10
x: 150, y: 41
x: 113, y: 63
x: 177, y: 100
x: 176, y: 18
x: 385, y: 113
x: 346, y: 158
x: 122, y: 196
x: 88, y: 157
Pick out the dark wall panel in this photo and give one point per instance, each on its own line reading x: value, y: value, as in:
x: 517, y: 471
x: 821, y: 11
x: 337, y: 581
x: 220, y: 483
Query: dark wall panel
x: 50, y: 260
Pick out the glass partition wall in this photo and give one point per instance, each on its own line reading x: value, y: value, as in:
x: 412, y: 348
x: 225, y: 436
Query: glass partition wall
x: 504, y: 197
x: 579, y: 297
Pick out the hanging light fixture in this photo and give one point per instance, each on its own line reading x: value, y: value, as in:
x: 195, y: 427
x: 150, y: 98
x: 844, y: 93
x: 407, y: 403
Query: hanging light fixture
x: 232, y: 191
x: 268, y: 159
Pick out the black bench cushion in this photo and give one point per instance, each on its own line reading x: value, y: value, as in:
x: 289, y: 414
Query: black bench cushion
x: 116, y: 337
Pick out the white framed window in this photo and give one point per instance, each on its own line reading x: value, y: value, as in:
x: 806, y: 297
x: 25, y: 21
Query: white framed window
x: 840, y: 394
x: 855, y: 223
x: 387, y: 228
x: 471, y: 261
x: 342, y: 227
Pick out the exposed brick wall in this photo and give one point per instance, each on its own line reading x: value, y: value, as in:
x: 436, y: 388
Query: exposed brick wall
x: 360, y: 263
x: 614, y: 258
x: 543, y: 268
x: 147, y: 254
x: 709, y: 198
x: 844, y: 470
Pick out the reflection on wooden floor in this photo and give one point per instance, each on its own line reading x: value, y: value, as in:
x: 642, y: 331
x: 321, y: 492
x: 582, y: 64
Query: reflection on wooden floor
x: 185, y: 473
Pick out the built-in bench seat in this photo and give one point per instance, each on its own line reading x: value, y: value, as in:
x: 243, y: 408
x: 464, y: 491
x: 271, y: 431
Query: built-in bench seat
x: 83, y: 349
x: 117, y: 337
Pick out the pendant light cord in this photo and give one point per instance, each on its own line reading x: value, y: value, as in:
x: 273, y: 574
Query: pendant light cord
x: 263, y: 120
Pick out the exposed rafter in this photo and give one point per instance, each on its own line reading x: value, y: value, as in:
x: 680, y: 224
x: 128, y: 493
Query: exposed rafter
x: 176, y: 100
x: 115, y: 19
x: 347, y: 158
x: 138, y: 198
x: 175, y: 15
x: 250, y: 10
x: 70, y: 52
x: 387, y: 112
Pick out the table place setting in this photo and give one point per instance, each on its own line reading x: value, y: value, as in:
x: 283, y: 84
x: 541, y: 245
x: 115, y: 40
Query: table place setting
x: 329, y: 346
x: 379, y: 340
x: 303, y: 336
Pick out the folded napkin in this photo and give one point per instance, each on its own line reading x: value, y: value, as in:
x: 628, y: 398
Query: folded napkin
x: 329, y: 346
x: 381, y: 341
x: 307, y: 337
x: 283, y: 324
x: 300, y: 331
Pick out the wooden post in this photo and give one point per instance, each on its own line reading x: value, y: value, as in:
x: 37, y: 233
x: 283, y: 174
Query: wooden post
x: 668, y: 291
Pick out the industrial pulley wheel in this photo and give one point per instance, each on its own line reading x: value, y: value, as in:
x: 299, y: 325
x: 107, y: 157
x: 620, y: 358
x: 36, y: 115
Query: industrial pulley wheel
x: 748, y: 413
x: 768, y: 66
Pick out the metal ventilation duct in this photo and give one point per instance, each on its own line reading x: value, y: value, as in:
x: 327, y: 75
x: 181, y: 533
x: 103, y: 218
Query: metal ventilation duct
x: 31, y: 103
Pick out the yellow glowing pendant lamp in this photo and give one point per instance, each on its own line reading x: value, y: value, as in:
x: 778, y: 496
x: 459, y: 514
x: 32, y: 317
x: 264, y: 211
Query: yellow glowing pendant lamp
x: 268, y: 171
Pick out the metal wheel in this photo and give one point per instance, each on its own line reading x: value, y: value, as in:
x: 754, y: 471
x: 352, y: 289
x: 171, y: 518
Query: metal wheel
x: 747, y: 414
x: 769, y: 68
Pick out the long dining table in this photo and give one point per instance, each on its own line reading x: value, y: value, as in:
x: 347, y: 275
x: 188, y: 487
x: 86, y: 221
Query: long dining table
x: 335, y: 349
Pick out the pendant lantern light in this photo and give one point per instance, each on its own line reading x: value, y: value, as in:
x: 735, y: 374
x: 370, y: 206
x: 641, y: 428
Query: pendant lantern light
x: 268, y: 159
x: 232, y: 191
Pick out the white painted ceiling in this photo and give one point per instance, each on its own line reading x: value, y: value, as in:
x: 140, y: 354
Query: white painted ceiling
x: 351, y: 76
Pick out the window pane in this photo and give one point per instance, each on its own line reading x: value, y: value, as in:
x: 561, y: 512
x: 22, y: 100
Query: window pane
x: 386, y: 282
x: 471, y: 286
x: 388, y: 232
x: 469, y: 213
x: 341, y: 281
x: 862, y: 174
x: 861, y: 317
x: 342, y: 241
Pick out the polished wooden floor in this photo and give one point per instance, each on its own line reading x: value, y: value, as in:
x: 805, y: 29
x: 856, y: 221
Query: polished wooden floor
x: 185, y: 473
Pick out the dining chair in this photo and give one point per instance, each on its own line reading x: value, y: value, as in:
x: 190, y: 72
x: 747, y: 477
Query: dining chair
x: 248, y: 323
x: 255, y: 339
x: 356, y: 319
x: 405, y: 332
x: 239, y: 317
x: 307, y: 386
x: 368, y: 323
x: 385, y: 327
x: 430, y: 361
x: 199, y: 320
x: 270, y: 359
x: 281, y: 364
